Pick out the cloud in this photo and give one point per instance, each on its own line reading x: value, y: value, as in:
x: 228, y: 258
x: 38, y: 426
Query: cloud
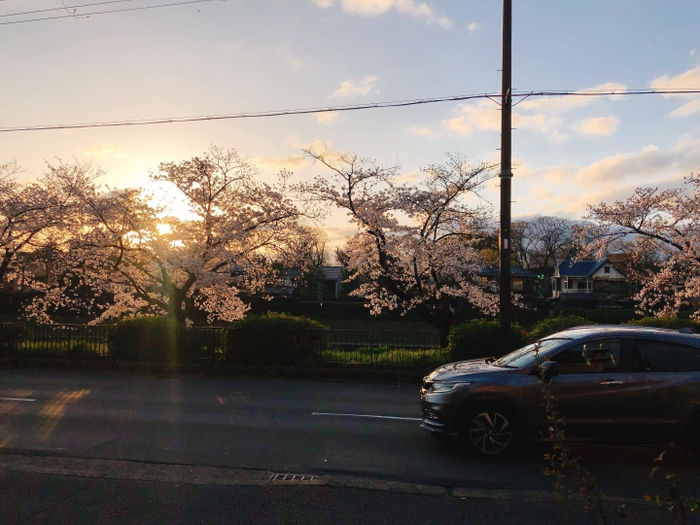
x: 231, y: 46
x: 558, y: 138
x: 473, y: 26
x: 371, y: 8
x: 423, y: 131
x: 290, y: 162
x: 296, y: 63
x: 611, y: 178
x: 644, y: 165
x: 327, y: 117
x: 692, y: 52
x: 354, y: 88
x: 337, y: 235
x: 689, y: 79
x: 412, y: 176
x: 596, y: 126
x: 105, y: 151
x: 567, y: 103
x: 485, y: 116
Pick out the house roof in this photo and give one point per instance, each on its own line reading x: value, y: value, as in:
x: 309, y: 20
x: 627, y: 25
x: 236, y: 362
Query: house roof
x: 580, y: 268
x: 333, y: 273
x: 515, y: 271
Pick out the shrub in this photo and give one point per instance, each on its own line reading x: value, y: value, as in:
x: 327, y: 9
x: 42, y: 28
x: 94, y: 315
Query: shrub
x: 201, y: 344
x: 599, y: 315
x: 674, y: 323
x: 11, y: 336
x: 146, y: 339
x: 556, y: 324
x: 275, y: 339
x: 482, y: 338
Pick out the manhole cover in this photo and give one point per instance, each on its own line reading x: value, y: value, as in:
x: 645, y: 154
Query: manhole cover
x: 292, y: 478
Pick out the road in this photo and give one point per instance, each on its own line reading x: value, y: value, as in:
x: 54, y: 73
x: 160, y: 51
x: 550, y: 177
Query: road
x: 297, y: 427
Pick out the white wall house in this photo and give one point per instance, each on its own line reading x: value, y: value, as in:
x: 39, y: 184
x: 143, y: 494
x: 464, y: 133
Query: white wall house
x: 586, y: 277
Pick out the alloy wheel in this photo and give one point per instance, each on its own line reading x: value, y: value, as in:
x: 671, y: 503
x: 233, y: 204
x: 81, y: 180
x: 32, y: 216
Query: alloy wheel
x: 490, y: 433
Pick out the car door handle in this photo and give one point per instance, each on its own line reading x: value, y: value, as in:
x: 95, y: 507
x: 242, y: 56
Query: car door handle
x: 612, y: 383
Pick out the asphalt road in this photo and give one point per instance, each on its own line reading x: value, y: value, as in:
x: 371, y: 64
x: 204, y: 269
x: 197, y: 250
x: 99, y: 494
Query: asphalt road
x: 279, y: 426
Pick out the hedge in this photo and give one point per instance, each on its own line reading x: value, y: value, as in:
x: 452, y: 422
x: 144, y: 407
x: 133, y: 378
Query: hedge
x: 556, y: 324
x: 146, y: 339
x: 276, y: 339
x: 482, y: 338
x: 674, y: 323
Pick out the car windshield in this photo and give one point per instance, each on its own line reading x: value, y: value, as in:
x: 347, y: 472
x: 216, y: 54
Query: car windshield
x: 527, y: 355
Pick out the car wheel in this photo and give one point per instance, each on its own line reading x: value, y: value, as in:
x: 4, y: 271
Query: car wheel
x: 490, y: 432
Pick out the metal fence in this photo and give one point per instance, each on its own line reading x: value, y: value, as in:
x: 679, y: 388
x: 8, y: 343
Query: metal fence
x: 29, y: 340
x: 209, y: 344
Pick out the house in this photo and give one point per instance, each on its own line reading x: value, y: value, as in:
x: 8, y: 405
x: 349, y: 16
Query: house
x: 522, y: 281
x: 289, y: 280
x: 321, y: 283
x: 589, y: 280
x: 332, y: 282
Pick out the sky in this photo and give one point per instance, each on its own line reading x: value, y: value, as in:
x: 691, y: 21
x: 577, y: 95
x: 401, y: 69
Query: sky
x: 240, y: 56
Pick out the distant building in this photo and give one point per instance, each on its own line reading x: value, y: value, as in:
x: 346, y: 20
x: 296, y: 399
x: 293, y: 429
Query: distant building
x: 589, y: 280
x: 522, y: 281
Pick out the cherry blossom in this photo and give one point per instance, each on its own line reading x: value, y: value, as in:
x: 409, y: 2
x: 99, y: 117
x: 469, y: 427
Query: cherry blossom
x: 416, y: 242
x: 660, y: 233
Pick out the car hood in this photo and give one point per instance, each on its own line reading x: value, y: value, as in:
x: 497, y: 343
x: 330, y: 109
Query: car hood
x: 475, y: 370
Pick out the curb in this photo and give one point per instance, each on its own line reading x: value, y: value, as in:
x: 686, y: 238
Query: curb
x: 202, y: 475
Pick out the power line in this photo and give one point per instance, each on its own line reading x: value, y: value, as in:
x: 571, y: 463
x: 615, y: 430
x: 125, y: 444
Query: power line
x: 376, y: 105
x: 62, y: 8
x: 107, y: 12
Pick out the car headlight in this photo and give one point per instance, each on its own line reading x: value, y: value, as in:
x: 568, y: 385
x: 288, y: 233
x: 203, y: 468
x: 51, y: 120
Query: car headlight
x: 440, y: 388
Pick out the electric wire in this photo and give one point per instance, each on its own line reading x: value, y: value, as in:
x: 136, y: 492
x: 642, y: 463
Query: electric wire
x: 107, y: 12
x: 62, y: 8
x: 355, y: 107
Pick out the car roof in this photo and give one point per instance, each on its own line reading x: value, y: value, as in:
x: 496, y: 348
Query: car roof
x: 587, y: 331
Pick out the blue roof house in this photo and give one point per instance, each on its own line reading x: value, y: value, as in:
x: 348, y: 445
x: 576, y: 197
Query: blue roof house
x: 587, y: 279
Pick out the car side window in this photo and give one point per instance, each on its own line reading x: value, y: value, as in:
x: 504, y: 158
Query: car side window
x: 651, y: 355
x: 597, y: 356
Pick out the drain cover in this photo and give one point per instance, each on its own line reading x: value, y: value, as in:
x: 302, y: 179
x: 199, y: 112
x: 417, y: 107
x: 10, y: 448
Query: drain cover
x: 291, y: 478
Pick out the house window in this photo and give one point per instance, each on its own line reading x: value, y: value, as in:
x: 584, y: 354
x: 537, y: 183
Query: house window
x: 606, y: 269
x: 582, y: 285
x: 517, y: 285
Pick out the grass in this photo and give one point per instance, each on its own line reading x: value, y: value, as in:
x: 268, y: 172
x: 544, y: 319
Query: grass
x: 386, y: 356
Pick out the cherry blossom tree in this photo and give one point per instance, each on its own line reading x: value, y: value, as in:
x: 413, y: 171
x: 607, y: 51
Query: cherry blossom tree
x: 35, y: 217
x: 661, y: 227
x: 416, y: 242
x: 149, y: 263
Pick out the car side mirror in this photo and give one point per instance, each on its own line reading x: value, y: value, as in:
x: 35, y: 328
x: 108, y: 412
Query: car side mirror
x: 547, y: 370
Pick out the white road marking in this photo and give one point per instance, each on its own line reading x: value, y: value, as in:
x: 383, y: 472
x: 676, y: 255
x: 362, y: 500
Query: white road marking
x: 339, y: 414
x: 17, y: 399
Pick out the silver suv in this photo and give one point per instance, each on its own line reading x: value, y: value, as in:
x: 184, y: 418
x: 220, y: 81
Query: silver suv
x: 612, y: 383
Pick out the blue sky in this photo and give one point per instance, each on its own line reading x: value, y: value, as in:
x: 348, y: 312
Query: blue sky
x: 248, y: 55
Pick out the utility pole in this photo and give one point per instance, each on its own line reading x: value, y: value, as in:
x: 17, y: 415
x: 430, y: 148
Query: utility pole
x: 506, y: 173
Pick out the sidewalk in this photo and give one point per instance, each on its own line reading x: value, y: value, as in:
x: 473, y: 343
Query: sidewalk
x: 43, y: 489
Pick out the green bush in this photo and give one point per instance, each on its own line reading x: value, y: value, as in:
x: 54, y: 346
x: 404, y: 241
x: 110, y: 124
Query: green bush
x: 11, y: 336
x: 674, y: 323
x: 275, y: 339
x: 146, y: 339
x: 599, y: 315
x: 201, y: 344
x: 556, y: 324
x: 482, y: 338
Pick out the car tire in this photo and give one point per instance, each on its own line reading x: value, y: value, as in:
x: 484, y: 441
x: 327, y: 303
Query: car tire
x: 490, y: 431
